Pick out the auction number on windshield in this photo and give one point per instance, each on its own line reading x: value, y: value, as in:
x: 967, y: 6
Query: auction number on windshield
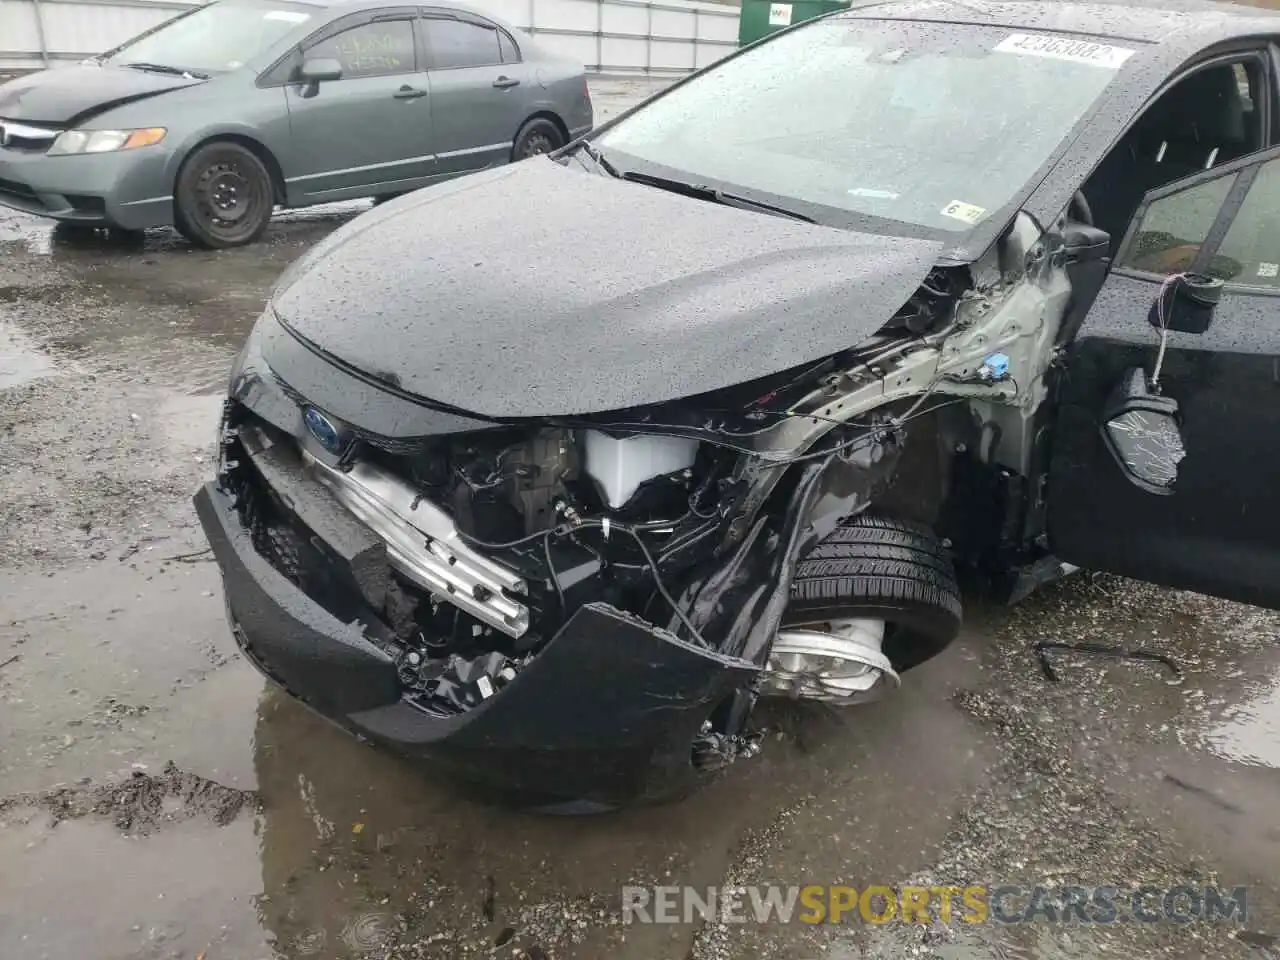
x: 1065, y: 48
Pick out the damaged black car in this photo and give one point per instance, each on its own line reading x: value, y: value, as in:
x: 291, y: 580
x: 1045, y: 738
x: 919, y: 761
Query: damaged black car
x: 552, y: 472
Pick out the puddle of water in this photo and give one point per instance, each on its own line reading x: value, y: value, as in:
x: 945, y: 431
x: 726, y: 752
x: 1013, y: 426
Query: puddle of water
x: 1036, y: 941
x: 1251, y: 735
x: 34, y: 234
x: 20, y: 361
x: 189, y: 890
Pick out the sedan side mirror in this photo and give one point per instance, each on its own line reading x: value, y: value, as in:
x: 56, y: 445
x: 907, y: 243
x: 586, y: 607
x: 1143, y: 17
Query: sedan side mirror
x: 1141, y: 430
x: 314, y: 72
x: 1084, y: 243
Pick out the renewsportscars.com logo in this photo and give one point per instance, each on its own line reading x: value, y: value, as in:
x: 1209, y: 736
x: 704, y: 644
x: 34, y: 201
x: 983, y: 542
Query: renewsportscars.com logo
x: 817, y: 903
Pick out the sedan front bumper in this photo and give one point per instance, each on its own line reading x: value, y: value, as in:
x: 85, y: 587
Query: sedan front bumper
x: 604, y: 715
x: 130, y: 189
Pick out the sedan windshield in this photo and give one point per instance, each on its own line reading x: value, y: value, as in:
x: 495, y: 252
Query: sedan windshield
x: 936, y: 126
x: 219, y: 37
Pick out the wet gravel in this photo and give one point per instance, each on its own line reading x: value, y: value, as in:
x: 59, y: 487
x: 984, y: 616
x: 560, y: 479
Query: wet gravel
x: 157, y: 800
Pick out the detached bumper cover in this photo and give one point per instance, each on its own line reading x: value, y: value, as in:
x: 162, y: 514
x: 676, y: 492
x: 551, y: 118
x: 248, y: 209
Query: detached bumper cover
x: 606, y: 713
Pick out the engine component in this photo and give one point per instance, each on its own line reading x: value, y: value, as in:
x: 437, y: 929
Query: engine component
x: 463, y: 683
x: 838, y: 661
x: 424, y: 545
x: 620, y: 465
x: 539, y: 470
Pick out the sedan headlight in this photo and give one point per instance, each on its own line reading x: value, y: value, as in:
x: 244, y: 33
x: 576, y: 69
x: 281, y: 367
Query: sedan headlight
x: 104, y: 141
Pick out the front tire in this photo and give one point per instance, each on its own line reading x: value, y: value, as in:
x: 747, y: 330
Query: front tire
x: 224, y: 196
x: 537, y: 137
x: 873, y: 587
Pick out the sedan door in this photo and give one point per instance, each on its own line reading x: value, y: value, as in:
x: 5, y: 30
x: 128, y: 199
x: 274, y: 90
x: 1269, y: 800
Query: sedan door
x: 1218, y: 530
x: 370, y: 131
x: 478, y: 100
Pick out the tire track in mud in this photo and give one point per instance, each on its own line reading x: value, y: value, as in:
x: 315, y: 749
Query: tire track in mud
x: 141, y: 803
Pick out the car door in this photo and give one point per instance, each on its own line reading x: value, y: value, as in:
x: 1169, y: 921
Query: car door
x: 369, y: 131
x: 1218, y: 532
x: 479, y: 90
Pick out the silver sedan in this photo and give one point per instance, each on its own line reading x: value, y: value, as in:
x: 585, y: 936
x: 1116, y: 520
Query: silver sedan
x: 211, y: 120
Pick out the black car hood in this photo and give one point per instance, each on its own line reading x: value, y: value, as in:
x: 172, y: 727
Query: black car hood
x: 537, y: 290
x: 70, y: 94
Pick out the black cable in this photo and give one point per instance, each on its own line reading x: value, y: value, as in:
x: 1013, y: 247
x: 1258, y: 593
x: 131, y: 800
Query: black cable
x: 649, y: 561
x: 866, y: 437
x: 477, y: 542
x: 662, y: 590
x: 551, y: 569
x: 929, y: 390
x: 563, y: 529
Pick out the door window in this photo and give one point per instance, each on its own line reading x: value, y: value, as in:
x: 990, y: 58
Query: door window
x: 1227, y: 226
x: 1206, y: 120
x: 1250, y: 252
x: 379, y: 49
x: 457, y: 43
x: 510, y: 53
x: 1170, y: 233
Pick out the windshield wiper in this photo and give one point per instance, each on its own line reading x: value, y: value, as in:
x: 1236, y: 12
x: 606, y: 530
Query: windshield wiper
x: 715, y: 194
x: 164, y: 68
x: 587, y: 147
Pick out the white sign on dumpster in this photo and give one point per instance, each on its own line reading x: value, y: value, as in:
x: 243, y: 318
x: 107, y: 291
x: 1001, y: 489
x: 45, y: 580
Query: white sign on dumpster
x: 779, y: 14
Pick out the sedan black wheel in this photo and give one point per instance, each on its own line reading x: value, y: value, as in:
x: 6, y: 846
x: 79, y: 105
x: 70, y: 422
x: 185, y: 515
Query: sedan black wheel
x: 224, y: 196
x: 535, y: 138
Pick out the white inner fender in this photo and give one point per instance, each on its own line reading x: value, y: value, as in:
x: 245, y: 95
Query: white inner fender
x: 620, y: 465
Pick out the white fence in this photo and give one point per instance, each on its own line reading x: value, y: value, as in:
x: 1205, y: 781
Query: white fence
x: 662, y: 38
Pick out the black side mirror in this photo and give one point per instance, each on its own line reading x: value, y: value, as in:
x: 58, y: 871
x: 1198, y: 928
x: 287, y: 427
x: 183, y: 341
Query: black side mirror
x: 1084, y: 243
x: 1140, y: 428
x: 312, y: 73
x: 1186, y: 303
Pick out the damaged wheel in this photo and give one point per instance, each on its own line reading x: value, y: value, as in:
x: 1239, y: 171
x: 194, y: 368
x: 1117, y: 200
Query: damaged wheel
x: 876, y: 597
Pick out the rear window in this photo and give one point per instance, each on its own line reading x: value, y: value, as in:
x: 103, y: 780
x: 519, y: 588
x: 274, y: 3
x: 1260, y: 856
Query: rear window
x: 936, y: 126
x: 457, y: 43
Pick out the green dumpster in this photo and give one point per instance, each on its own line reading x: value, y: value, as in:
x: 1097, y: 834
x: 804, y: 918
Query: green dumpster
x: 759, y: 18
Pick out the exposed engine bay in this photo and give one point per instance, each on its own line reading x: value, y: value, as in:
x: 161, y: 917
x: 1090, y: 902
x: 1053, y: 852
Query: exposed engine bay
x: 723, y: 520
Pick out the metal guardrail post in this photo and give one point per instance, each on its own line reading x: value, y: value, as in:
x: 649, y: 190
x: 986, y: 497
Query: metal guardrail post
x: 599, y: 34
x: 697, y: 33
x: 40, y: 38
x: 648, y: 41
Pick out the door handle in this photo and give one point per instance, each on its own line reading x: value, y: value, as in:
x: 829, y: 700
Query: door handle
x: 409, y: 93
x: 504, y: 83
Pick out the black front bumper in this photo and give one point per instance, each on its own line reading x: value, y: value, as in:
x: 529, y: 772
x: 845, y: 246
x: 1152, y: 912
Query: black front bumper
x: 605, y: 714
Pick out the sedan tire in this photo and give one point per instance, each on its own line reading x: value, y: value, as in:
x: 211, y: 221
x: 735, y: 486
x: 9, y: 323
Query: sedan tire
x: 535, y: 138
x: 224, y: 196
x: 886, y: 569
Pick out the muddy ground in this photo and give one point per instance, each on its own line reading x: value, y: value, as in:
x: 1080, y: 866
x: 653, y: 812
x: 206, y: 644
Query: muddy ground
x: 157, y: 800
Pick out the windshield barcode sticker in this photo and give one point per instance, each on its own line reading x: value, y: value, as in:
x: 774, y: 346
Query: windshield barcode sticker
x: 1065, y: 48
x: 288, y: 16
